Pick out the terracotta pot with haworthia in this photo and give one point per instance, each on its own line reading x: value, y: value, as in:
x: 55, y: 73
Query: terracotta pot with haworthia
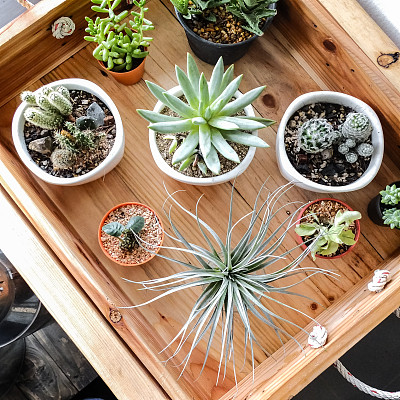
x: 226, y: 30
x: 131, y: 234
x: 204, y: 133
x: 384, y: 209
x: 329, y: 226
x: 122, y: 47
x: 68, y: 132
x: 329, y: 142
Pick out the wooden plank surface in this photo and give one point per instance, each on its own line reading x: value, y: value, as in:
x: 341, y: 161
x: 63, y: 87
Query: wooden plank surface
x: 67, y: 218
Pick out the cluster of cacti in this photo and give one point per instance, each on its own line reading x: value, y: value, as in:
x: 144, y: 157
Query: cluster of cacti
x: 391, y: 217
x: 48, y: 106
x: 357, y: 127
x: 210, y: 118
x: 118, y: 44
x: 316, y: 135
x: 126, y: 234
x: 391, y: 195
x: 75, y: 140
x: 62, y: 159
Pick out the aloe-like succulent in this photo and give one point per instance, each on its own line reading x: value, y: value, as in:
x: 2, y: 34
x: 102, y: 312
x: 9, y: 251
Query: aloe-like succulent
x: 329, y: 236
x: 126, y: 234
x: 234, y: 278
x: 391, y: 217
x: 209, y: 116
x: 391, y: 195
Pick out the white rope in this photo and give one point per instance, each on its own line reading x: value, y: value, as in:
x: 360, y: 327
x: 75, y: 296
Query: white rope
x: 62, y: 27
x: 317, y: 338
x: 380, y: 279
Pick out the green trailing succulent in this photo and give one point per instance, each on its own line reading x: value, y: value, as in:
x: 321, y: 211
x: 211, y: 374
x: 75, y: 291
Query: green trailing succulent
x: 316, y: 135
x: 126, y: 234
x: 209, y: 117
x: 239, y: 279
x: 329, y: 236
x: 391, y: 217
x: 391, y: 195
x: 119, y: 43
x: 48, y: 107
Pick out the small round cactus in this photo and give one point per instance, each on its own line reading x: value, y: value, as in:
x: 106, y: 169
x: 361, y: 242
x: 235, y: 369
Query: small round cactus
x: 357, y: 127
x: 62, y: 159
x: 351, y: 157
x: 42, y: 118
x: 316, y: 135
x: 343, y: 148
x: 350, y: 143
x: 365, y: 149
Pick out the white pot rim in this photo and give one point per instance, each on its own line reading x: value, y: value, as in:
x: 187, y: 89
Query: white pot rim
x: 290, y: 173
x: 214, y: 180
x: 72, y: 84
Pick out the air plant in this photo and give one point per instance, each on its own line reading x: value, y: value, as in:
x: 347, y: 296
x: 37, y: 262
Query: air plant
x: 234, y: 278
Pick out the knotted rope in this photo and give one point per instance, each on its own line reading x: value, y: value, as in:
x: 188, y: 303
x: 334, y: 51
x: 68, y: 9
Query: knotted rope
x: 62, y: 27
x: 318, y: 337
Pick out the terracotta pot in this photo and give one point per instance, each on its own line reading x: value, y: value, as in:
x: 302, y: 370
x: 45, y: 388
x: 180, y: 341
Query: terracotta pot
x: 102, y: 223
x: 127, y: 78
x: 299, y: 239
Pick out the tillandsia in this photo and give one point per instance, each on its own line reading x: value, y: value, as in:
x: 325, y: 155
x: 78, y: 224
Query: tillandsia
x: 329, y: 236
x: 391, y: 195
x: 209, y: 117
x: 48, y: 107
x: 118, y: 43
x: 127, y: 234
x: 236, y: 278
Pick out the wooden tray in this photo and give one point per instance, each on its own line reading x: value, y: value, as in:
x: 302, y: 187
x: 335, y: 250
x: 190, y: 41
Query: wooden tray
x: 308, y: 48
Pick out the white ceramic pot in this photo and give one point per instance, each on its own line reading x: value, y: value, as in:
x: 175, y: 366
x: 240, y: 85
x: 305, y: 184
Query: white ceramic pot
x: 290, y: 173
x: 214, y: 180
x: 113, y: 158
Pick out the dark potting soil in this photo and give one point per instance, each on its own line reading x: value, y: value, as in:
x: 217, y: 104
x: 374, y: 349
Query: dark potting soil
x: 227, y: 29
x: 86, y: 160
x: 329, y: 167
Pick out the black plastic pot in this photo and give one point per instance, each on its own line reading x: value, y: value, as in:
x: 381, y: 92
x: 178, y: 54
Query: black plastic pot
x: 376, y: 208
x: 210, y: 52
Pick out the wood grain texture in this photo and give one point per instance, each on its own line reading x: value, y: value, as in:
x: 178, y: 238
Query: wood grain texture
x: 29, y: 50
x: 67, y: 218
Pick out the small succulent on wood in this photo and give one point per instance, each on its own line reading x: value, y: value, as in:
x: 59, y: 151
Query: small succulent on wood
x: 210, y: 117
x: 48, y: 107
x: 391, y: 217
x: 119, y: 43
x: 126, y: 234
x: 329, y: 237
x: 391, y: 195
x: 316, y: 135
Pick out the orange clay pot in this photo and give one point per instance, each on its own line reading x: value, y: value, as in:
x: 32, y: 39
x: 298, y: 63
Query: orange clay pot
x: 127, y: 78
x: 299, y: 239
x: 102, y: 223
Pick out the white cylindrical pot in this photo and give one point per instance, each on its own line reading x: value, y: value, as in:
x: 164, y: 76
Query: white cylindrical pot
x: 207, y: 181
x: 112, y: 159
x: 289, y: 172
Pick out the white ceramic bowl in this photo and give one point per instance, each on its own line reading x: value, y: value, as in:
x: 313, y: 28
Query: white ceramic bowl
x: 113, y: 158
x: 215, y: 180
x: 290, y: 173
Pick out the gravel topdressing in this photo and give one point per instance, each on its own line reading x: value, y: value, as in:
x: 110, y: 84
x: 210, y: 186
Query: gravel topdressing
x: 151, y: 235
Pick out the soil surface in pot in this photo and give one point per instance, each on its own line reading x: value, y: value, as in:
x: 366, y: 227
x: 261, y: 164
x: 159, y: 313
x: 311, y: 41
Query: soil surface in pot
x: 193, y: 171
x: 86, y: 160
x: 227, y: 29
x: 329, y: 167
x: 151, y: 234
x: 325, y: 210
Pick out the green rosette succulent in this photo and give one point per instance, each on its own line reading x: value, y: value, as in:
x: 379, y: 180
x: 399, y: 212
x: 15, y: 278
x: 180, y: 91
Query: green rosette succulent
x: 209, y: 117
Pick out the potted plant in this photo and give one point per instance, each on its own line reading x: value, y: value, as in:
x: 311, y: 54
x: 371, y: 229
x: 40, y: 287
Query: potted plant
x: 235, y: 278
x: 68, y: 132
x: 329, y: 227
x: 121, y: 49
x: 223, y: 27
x: 384, y: 209
x: 329, y: 142
x: 198, y: 135
x: 130, y: 234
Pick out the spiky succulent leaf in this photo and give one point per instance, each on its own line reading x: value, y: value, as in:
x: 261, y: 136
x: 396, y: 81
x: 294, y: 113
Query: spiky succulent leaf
x: 244, y: 138
x: 187, y: 148
x: 172, y: 126
x: 223, y: 147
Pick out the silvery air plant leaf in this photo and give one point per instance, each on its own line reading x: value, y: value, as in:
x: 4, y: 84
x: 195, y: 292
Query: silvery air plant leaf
x: 234, y: 278
x: 209, y: 117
